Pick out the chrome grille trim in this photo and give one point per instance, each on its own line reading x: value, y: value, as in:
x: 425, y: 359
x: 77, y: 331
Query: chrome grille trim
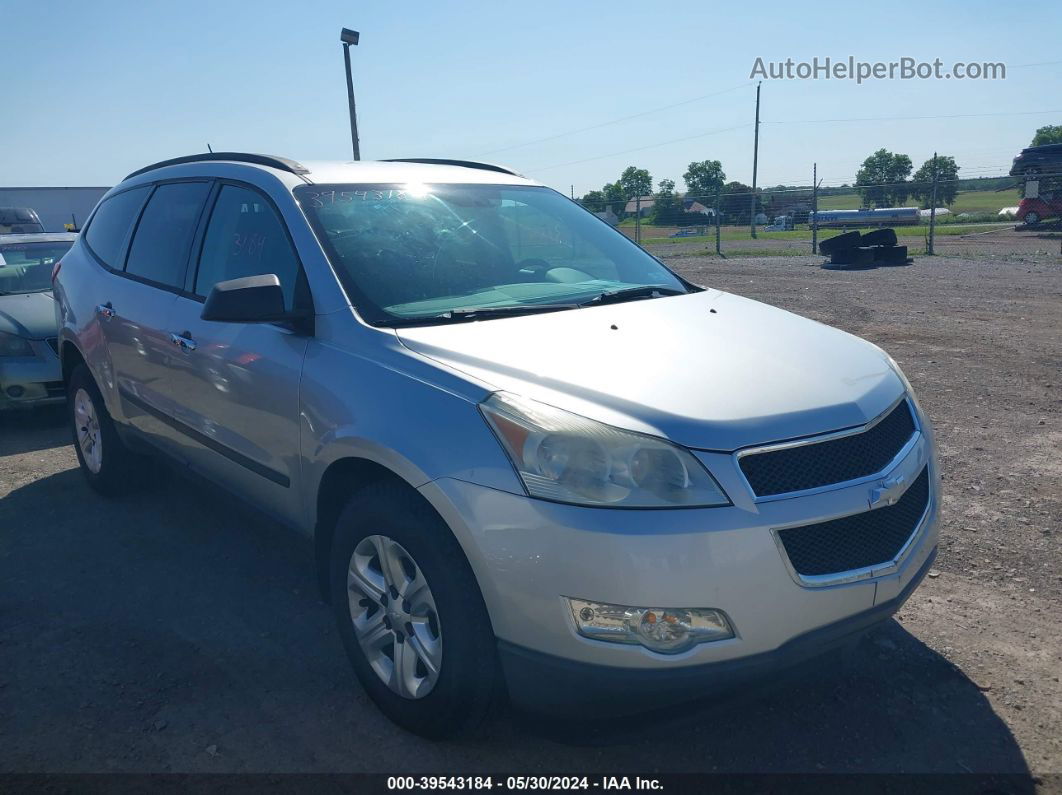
x: 826, y: 437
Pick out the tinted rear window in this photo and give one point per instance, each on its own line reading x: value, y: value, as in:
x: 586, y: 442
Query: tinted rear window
x: 159, y: 251
x: 110, y: 227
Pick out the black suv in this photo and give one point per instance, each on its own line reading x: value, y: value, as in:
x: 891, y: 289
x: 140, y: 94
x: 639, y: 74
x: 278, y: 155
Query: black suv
x: 1038, y: 160
x: 19, y: 221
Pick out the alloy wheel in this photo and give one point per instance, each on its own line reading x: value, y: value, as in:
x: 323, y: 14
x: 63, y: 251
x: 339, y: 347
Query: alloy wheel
x: 87, y: 426
x: 394, y: 616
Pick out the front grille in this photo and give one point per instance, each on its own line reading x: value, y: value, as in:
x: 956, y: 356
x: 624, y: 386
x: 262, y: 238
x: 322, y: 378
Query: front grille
x: 863, y: 539
x: 55, y: 388
x: 53, y: 343
x: 809, y: 466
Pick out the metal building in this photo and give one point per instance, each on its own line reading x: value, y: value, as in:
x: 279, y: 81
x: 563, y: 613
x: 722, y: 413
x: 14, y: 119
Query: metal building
x: 55, y: 206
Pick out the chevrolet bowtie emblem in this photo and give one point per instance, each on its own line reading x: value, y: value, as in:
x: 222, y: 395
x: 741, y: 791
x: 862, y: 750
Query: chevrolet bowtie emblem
x: 887, y: 492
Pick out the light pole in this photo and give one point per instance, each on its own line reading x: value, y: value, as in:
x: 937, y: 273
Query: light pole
x: 348, y: 37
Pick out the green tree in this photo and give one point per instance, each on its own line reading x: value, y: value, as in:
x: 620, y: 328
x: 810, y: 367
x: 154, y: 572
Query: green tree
x: 1051, y: 134
x: 594, y: 201
x: 736, y: 204
x: 635, y: 182
x: 947, y: 186
x: 881, y: 179
x: 667, y: 208
x: 704, y: 178
x: 615, y: 197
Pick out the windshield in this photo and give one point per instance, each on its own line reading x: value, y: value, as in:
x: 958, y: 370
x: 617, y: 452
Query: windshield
x: 435, y: 253
x: 27, y: 267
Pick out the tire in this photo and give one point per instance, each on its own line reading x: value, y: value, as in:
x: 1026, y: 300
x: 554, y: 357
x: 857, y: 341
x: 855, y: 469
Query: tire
x: 446, y: 623
x: 1031, y: 218
x: 852, y: 258
x: 839, y: 242
x: 891, y: 255
x: 107, y: 464
x: 879, y: 237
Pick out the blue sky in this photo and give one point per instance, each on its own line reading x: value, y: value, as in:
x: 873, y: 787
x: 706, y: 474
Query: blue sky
x: 95, y: 90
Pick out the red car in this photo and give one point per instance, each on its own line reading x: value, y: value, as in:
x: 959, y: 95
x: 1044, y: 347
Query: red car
x: 1033, y: 211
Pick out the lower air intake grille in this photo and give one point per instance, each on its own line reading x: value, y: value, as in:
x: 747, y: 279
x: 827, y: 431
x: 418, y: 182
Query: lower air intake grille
x: 863, y: 539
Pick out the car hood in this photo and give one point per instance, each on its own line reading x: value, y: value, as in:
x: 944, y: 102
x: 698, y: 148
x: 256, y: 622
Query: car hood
x: 709, y: 370
x: 29, y: 315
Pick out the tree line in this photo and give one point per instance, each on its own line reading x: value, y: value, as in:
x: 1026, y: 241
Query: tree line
x: 885, y: 179
x: 704, y: 180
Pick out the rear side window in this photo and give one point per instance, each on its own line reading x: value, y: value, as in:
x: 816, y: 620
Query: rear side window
x: 110, y: 227
x: 245, y: 237
x: 163, y: 237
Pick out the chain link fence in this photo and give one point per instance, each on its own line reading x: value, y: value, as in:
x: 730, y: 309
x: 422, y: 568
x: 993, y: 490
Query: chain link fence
x: 792, y: 221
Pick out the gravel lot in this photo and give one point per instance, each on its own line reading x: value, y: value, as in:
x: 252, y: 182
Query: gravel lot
x: 175, y: 630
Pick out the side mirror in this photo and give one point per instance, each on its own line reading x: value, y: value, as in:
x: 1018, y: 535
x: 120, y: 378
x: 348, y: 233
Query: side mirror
x: 252, y: 299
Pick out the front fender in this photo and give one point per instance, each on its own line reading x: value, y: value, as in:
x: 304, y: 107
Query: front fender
x: 396, y: 409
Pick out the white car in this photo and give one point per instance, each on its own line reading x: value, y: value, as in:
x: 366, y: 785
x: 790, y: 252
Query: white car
x: 29, y: 353
x: 533, y: 459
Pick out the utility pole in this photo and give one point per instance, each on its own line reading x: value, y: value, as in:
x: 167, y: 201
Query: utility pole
x: 718, y: 214
x: 573, y: 193
x: 933, y: 208
x: 755, y: 163
x: 638, y: 219
x: 348, y: 37
x: 814, y: 208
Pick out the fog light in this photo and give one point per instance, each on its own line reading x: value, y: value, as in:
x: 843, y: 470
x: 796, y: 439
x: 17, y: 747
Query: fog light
x: 15, y: 391
x: 664, y: 629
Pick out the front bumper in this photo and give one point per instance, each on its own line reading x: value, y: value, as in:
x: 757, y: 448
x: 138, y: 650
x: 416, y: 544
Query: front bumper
x: 26, y: 382
x: 549, y: 685
x: 529, y: 554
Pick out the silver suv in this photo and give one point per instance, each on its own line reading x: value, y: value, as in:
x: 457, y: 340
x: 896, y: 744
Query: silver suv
x: 532, y: 458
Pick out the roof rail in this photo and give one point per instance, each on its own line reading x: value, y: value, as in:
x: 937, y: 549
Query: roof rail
x: 442, y: 161
x: 281, y: 163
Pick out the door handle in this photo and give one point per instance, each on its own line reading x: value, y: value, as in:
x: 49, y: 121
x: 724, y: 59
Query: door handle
x: 184, y: 341
x: 106, y: 311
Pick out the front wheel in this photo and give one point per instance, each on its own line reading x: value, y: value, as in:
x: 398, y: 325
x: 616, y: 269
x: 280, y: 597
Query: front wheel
x: 1031, y: 218
x: 410, y: 614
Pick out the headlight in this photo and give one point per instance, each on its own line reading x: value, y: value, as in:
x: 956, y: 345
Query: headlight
x: 666, y: 630
x: 564, y: 457
x: 14, y: 345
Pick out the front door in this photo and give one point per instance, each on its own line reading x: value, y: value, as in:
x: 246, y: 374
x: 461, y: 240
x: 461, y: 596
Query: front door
x: 236, y: 390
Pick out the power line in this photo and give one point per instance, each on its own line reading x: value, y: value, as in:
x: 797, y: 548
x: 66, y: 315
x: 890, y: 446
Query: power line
x: 616, y: 121
x: 915, y: 118
x: 640, y: 148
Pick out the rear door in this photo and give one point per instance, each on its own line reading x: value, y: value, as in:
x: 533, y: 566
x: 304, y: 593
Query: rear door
x: 134, y: 315
x: 236, y: 389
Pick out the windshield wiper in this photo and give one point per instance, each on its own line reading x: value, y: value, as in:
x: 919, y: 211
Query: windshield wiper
x: 628, y: 293
x: 479, y: 313
x: 476, y: 313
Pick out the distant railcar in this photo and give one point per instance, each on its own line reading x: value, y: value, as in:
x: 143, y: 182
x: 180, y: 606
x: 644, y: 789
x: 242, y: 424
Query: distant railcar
x: 882, y: 216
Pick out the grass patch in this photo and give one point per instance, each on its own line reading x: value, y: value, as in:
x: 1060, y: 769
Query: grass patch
x: 967, y: 201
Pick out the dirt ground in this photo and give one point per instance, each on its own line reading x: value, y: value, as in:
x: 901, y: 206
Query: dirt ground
x: 174, y: 630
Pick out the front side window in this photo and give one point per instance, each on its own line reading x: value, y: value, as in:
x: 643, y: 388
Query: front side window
x: 433, y: 253
x: 159, y: 251
x: 245, y: 237
x: 111, y: 224
x: 27, y: 267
